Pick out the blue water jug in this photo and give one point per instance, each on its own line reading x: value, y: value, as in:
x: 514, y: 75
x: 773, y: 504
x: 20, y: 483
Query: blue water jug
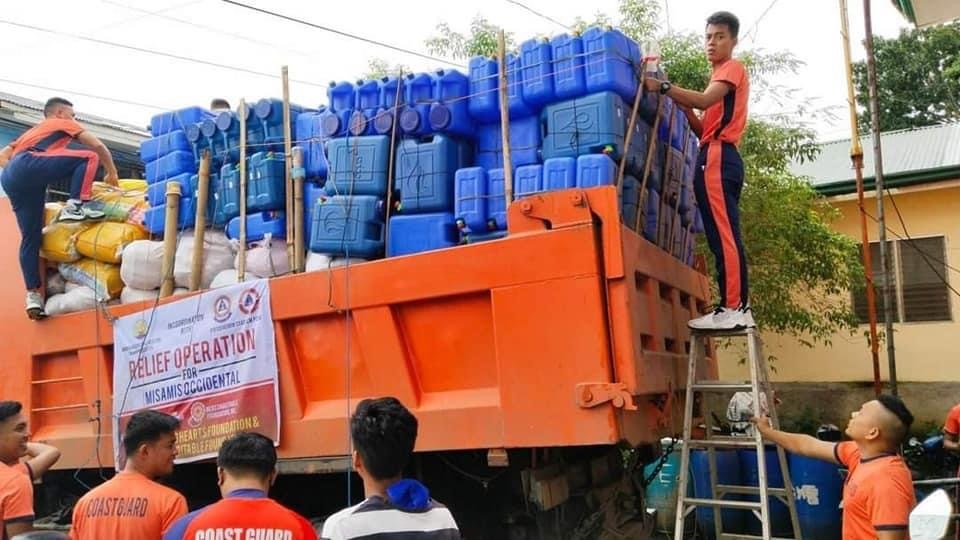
x: 484, y: 104
x: 450, y: 112
x: 170, y: 165
x: 259, y: 225
x: 425, y: 170
x: 661, y: 493
x: 341, y: 95
x: 266, y: 178
x: 528, y: 180
x: 157, y: 192
x: 348, y: 226
x: 157, y: 147
x: 536, y: 58
x: 365, y: 107
x: 609, y: 62
x: 164, y: 123
x: 819, y: 490
x: 595, y: 170
x: 154, y: 219
x: 226, y: 196
x: 358, y: 165
x: 728, y: 473
x: 335, y: 124
x: 559, y: 173
x: 312, y: 195
x: 569, y: 79
x: 651, y: 211
x: 681, y: 127
x: 228, y: 126
x: 270, y: 113
x: 524, y: 143
x: 517, y: 106
x: 198, y: 143
x: 750, y: 471
x: 415, y: 116
x: 310, y: 139
x: 391, y: 98
x: 629, y: 200
x: 421, y: 232
x: 214, y: 140
x: 587, y: 125
x: 470, y: 198
x: 496, y: 201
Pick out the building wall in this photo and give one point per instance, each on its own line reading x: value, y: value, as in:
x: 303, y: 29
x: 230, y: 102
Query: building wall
x: 925, y: 352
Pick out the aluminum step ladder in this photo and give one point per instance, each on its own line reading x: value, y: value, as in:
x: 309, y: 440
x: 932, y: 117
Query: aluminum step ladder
x: 758, y: 386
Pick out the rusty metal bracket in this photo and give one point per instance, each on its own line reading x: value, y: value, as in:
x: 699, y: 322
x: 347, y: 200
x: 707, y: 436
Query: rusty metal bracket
x: 589, y: 395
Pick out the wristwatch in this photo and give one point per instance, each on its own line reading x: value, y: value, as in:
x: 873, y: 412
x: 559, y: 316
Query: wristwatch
x: 665, y: 87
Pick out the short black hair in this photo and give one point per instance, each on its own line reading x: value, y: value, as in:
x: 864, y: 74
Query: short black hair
x: 728, y: 19
x: 384, y: 433
x: 9, y: 409
x: 248, y: 454
x: 219, y: 103
x: 146, y: 427
x: 896, y: 406
x: 51, y: 105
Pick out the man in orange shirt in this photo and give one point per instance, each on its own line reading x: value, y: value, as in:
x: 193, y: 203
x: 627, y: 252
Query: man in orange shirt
x: 878, y: 494
x: 951, y: 442
x: 16, y: 489
x: 132, y: 505
x: 39, y: 157
x: 719, y: 172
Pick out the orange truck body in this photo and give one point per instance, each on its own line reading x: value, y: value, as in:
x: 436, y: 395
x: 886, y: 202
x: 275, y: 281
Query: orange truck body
x: 571, y: 331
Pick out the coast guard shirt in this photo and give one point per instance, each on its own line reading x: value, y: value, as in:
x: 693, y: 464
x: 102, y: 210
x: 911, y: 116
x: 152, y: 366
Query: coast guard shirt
x: 129, y: 506
x: 246, y: 514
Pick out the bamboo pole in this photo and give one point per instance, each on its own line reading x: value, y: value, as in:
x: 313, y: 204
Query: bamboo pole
x: 170, y: 232
x: 505, y: 119
x: 390, y: 164
x: 628, y: 138
x: 288, y: 175
x: 200, y: 224
x: 647, y: 164
x: 242, y: 254
x: 298, y: 209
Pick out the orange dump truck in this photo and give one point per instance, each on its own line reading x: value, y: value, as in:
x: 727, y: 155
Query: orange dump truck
x: 532, y: 363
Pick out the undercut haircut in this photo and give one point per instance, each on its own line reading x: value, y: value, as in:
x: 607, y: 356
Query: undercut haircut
x: 147, y: 427
x: 50, y: 107
x: 728, y: 19
x: 895, y: 406
x: 248, y: 454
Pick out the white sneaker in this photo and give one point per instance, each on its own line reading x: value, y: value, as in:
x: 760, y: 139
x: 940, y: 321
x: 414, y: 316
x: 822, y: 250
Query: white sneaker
x: 724, y: 319
x: 35, y: 305
x: 73, y: 211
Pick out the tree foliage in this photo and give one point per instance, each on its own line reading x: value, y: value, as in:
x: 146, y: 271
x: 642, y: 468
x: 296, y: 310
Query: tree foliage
x: 918, y: 78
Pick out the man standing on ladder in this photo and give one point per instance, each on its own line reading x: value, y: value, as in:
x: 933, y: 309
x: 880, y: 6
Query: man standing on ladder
x: 878, y: 493
x: 719, y: 173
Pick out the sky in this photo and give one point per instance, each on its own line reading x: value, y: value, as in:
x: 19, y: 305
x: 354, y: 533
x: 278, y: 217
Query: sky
x: 42, y: 58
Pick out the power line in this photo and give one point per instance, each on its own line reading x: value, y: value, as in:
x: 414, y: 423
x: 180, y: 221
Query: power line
x: 539, y: 14
x: 84, y: 94
x: 153, y: 52
x: 756, y: 24
x: 341, y: 33
x: 923, y: 255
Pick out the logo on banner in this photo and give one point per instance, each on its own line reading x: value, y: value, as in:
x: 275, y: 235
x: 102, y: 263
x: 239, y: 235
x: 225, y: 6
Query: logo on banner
x: 141, y: 328
x: 249, y: 301
x: 221, y: 308
x: 198, y: 411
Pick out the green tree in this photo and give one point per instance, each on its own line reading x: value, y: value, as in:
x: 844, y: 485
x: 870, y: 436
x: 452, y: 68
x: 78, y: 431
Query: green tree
x: 799, y: 267
x: 378, y: 68
x: 480, y: 41
x: 918, y: 78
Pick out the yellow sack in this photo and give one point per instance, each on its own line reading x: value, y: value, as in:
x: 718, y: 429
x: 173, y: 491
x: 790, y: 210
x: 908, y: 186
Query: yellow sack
x: 133, y: 184
x: 60, y: 241
x: 118, y: 203
x: 101, y: 277
x: 105, y: 241
x: 51, y: 211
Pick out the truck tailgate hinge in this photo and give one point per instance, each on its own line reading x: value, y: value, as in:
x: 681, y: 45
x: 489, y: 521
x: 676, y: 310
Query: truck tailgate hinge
x: 590, y: 395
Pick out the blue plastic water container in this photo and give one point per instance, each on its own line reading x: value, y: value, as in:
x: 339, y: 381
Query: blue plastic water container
x: 176, y: 120
x: 335, y: 124
x: 421, y: 232
x: 228, y: 126
x: 651, y: 215
x: 559, y: 173
x: 170, y: 165
x: 214, y: 141
x: 196, y: 139
x: 358, y: 165
x: 156, y: 147
x: 536, y: 58
x: 678, y: 138
x: 609, y: 62
x: 312, y: 195
x: 662, y: 491
x: 341, y: 96
x: 517, y: 106
x: 484, y: 102
x: 348, y: 226
x: 310, y: 139
x: 157, y: 192
x: 367, y: 94
x: 750, y: 474
x: 595, y: 170
x: 415, y: 116
x: 630, y: 200
x: 697, y: 223
x: 819, y: 490
x: 154, y: 219
x: 425, y: 171
x: 270, y: 113
x: 728, y: 473
x: 389, y: 88
x: 524, y: 143
x: 361, y: 122
x: 586, y: 125
x: 450, y: 112
x: 259, y: 225
x: 265, y: 182
x: 496, y: 201
x: 226, y: 195
x: 569, y: 79
x: 528, y: 180
x: 667, y: 114
x: 470, y: 198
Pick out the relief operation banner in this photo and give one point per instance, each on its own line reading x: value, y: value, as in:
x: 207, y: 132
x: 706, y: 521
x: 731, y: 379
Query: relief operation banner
x: 210, y: 360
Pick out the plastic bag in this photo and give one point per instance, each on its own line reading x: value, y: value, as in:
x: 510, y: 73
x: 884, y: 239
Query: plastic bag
x: 317, y: 261
x: 55, y: 284
x: 740, y: 411
x: 60, y: 241
x: 266, y: 259
x: 102, y: 277
x: 140, y: 266
x: 217, y: 257
x: 77, y: 299
x: 229, y: 277
x: 124, y: 204
x: 105, y: 241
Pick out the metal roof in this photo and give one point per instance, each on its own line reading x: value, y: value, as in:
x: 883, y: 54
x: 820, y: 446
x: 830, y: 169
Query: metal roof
x: 928, y: 12
x: 910, y: 156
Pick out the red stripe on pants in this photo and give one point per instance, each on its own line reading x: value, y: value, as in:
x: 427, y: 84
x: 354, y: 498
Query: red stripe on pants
x: 713, y: 181
x: 93, y: 162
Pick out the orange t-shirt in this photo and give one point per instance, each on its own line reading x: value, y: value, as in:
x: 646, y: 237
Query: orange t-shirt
x: 878, y: 494
x: 129, y: 506
x: 726, y: 119
x: 16, y: 497
x: 48, y: 134
x: 952, y: 425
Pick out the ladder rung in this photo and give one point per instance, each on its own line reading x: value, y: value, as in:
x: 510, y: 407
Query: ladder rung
x: 749, y: 490
x: 722, y: 503
x: 726, y: 442
x: 723, y: 333
x: 721, y: 386
x: 735, y: 536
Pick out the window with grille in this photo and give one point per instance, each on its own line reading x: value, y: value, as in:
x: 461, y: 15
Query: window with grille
x: 919, y: 280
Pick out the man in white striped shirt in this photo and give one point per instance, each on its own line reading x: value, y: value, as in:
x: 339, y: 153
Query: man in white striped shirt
x: 384, y: 433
